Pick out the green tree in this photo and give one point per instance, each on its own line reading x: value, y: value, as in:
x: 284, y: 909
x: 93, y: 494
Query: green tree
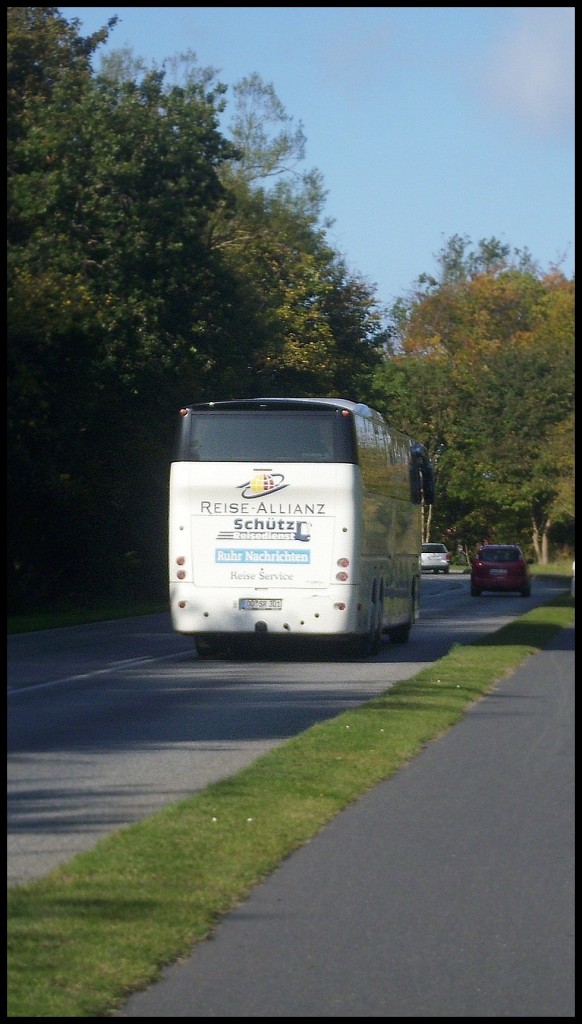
x: 322, y: 329
x: 118, y: 307
x: 484, y: 365
x: 152, y: 262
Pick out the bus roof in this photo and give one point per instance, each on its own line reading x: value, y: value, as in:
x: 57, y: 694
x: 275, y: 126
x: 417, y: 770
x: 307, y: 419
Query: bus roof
x: 288, y: 403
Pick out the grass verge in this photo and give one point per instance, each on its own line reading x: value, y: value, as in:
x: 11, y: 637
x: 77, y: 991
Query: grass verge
x: 78, y: 616
x: 84, y: 937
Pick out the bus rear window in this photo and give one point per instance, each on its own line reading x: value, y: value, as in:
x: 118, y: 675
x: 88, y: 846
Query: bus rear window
x: 267, y: 436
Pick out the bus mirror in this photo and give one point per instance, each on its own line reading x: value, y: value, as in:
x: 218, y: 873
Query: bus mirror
x: 415, y: 487
x: 422, y: 482
x: 428, y: 488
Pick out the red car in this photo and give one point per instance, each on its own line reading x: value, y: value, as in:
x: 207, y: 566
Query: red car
x: 500, y: 567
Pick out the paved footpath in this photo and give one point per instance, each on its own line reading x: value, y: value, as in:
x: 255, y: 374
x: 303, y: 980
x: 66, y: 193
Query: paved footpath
x: 446, y: 891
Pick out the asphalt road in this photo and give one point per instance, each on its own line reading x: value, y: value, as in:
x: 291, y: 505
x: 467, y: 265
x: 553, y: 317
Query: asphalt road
x: 109, y: 722
x: 446, y: 891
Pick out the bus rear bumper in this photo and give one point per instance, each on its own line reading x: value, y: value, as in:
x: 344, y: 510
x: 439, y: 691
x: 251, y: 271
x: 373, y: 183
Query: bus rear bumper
x: 301, y: 613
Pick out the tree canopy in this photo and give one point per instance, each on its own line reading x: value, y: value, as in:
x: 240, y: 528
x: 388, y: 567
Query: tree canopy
x: 484, y: 372
x: 166, y: 246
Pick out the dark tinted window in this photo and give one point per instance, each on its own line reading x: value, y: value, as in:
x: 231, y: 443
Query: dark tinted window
x: 434, y: 549
x: 499, y: 554
x: 267, y: 436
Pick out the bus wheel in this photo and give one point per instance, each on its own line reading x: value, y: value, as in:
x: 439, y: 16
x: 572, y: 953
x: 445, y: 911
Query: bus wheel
x: 376, y: 637
x: 206, y: 649
x: 401, y: 634
x: 369, y: 643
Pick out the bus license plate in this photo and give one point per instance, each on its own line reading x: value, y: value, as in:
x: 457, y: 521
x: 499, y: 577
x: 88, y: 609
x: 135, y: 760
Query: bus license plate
x: 260, y: 604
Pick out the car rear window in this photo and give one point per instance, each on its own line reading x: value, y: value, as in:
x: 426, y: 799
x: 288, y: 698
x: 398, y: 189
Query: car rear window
x: 433, y: 549
x: 499, y: 555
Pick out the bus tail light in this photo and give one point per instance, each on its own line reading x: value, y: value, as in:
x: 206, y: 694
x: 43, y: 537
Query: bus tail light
x: 343, y: 563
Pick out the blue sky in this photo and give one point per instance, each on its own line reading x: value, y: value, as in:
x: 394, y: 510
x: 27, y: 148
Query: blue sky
x: 424, y: 122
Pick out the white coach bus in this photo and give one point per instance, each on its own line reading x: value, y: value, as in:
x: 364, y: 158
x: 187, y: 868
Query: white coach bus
x: 295, y: 517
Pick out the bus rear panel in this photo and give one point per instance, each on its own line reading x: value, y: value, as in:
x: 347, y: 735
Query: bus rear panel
x: 273, y: 529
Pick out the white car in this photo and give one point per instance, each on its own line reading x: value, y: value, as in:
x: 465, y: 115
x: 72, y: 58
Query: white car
x: 435, y: 558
